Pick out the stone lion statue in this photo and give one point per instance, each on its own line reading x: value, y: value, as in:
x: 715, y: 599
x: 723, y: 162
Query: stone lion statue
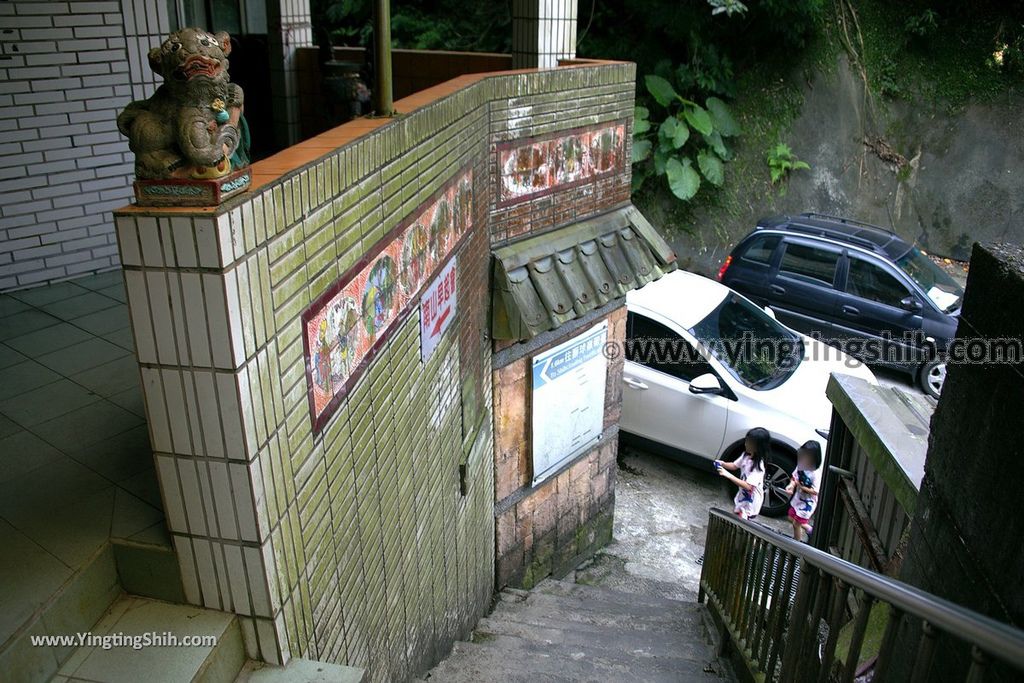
x: 192, y: 126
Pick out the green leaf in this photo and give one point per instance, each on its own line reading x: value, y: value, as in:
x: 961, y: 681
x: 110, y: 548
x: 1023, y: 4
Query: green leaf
x: 777, y: 172
x: 712, y: 168
x: 641, y: 122
x: 674, y: 132
x: 682, y: 179
x: 641, y: 150
x: 714, y: 141
x: 660, y: 89
x: 699, y: 119
x: 682, y: 134
x: 722, y: 117
x: 801, y: 166
x: 660, y: 161
x: 667, y: 129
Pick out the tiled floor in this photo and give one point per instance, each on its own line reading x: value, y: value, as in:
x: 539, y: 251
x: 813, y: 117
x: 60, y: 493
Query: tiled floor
x: 75, y: 462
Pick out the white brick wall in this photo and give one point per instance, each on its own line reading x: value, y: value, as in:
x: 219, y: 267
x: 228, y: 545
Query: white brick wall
x: 66, y: 70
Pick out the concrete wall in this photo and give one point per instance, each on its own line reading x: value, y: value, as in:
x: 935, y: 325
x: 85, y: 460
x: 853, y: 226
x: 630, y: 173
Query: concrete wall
x: 960, y: 183
x: 362, y: 533
x: 68, y: 68
x: 964, y: 545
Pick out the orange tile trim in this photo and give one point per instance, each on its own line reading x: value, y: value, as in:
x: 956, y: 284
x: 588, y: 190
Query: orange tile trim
x: 305, y: 153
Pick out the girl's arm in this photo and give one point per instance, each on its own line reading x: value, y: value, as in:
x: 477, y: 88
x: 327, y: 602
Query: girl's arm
x: 810, y: 490
x: 728, y: 465
x: 736, y: 480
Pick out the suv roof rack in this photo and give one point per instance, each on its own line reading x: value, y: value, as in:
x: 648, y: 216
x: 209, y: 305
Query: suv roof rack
x: 825, y: 232
x: 847, y: 221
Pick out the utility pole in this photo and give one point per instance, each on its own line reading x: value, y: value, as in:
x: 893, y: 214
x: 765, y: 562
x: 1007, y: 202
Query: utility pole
x: 382, y: 95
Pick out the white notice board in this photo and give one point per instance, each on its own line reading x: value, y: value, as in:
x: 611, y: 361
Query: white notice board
x: 568, y: 399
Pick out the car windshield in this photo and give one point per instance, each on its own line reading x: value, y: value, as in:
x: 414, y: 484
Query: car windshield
x: 937, y: 283
x: 755, y: 348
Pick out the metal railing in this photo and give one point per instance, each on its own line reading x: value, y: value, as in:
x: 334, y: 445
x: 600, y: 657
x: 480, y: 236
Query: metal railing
x: 794, y: 613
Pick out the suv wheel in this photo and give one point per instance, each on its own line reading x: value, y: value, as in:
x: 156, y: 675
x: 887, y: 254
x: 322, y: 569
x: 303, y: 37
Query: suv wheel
x: 777, y: 475
x: 932, y: 377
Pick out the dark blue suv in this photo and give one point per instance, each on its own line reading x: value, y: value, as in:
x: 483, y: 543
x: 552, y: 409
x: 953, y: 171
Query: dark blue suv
x: 858, y: 285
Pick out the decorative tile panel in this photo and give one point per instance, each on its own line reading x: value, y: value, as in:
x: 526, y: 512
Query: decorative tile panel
x: 350, y: 320
x: 538, y: 166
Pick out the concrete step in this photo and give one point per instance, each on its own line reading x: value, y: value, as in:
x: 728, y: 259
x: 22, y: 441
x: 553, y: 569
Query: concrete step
x: 74, y: 608
x: 500, y: 658
x: 111, y: 657
x: 689, y: 644
x: 149, y: 570
x: 300, y: 671
x: 671, y: 618
x: 608, y: 595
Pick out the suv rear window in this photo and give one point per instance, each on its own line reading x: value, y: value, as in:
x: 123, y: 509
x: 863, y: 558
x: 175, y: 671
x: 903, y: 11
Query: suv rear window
x: 760, y: 249
x: 807, y: 262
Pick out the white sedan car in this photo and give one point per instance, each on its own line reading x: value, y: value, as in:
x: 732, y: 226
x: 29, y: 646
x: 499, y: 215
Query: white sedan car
x: 704, y: 365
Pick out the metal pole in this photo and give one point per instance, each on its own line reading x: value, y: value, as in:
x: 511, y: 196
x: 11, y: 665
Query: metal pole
x: 382, y: 96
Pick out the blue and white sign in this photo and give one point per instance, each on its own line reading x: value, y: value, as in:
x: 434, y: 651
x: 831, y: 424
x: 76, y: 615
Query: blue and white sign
x: 568, y: 399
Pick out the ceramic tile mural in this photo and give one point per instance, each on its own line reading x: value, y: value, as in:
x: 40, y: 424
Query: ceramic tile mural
x: 345, y: 325
x: 539, y: 166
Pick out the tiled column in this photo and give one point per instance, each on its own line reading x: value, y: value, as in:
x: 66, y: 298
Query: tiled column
x: 543, y: 31
x: 189, y: 301
x: 289, y: 29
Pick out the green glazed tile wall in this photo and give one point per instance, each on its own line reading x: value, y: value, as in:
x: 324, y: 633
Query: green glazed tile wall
x: 354, y: 544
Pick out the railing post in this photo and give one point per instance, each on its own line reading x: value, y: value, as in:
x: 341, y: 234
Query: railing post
x: 798, y: 622
x: 857, y: 639
x: 835, y: 617
x: 925, y: 652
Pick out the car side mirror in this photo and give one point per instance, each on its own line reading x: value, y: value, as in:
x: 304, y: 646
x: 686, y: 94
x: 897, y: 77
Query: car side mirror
x: 770, y: 313
x: 705, y: 384
x: 910, y: 304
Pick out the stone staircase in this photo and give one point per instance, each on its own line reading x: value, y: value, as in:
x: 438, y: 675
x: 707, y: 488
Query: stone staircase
x: 564, y: 631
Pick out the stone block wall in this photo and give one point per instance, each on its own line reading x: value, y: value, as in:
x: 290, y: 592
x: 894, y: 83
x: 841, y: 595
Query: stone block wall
x: 361, y: 532
x: 963, y: 544
x: 548, y: 529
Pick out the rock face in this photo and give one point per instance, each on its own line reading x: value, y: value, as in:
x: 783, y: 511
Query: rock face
x: 192, y: 126
x: 563, y: 631
x: 942, y: 179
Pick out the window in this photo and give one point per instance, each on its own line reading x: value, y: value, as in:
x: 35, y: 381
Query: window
x: 810, y: 263
x: 761, y: 249
x: 870, y: 282
x: 652, y: 344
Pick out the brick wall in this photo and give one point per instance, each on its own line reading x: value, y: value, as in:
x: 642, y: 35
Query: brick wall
x: 66, y: 71
x: 550, y: 528
x: 539, y: 115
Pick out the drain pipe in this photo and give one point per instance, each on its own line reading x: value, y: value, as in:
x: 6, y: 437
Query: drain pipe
x: 382, y: 95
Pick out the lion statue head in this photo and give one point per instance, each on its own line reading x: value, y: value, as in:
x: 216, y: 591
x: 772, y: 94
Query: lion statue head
x: 192, y: 59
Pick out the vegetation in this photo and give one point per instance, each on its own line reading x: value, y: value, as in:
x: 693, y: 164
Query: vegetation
x: 721, y: 81
x: 782, y: 162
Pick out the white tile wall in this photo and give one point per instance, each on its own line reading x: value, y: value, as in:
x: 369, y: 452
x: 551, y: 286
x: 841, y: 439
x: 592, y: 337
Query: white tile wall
x: 67, y: 73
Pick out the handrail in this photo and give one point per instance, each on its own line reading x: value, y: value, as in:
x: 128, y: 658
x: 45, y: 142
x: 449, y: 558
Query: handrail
x: 999, y: 640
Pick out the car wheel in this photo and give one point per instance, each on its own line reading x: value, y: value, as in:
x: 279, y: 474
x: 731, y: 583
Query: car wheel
x: 933, y: 376
x: 778, y: 473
